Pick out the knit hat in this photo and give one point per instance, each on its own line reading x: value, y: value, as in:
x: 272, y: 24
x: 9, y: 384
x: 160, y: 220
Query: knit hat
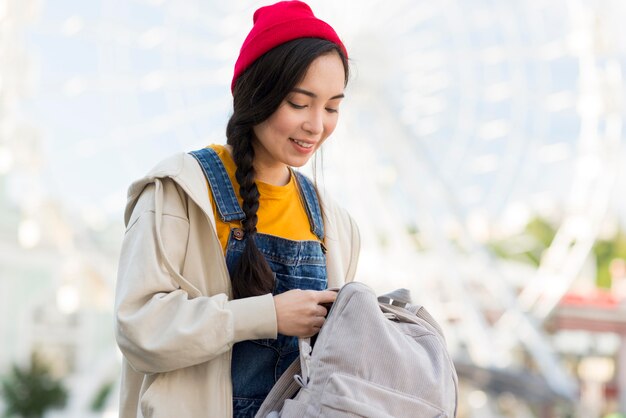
x: 279, y: 23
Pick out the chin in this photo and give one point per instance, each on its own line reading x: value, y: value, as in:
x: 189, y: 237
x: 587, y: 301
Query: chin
x: 298, y: 162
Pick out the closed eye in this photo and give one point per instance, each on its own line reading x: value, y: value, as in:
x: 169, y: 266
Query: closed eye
x: 331, y: 110
x: 296, y: 106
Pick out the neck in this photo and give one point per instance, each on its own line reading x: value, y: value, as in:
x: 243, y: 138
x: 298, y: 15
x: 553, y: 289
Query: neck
x: 268, y: 170
x: 276, y: 176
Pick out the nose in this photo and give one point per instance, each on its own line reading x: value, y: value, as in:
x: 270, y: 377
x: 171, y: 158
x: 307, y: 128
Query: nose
x: 314, y: 123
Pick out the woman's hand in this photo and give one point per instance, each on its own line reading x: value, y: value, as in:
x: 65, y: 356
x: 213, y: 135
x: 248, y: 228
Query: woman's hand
x: 299, y: 312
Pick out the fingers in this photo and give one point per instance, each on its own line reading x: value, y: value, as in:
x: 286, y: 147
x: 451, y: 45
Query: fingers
x: 321, y: 301
x: 326, y: 296
x: 300, y: 313
x: 320, y: 311
x: 318, y: 322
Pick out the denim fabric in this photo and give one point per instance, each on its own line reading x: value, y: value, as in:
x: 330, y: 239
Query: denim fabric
x: 257, y: 364
x: 312, y: 204
x: 221, y: 187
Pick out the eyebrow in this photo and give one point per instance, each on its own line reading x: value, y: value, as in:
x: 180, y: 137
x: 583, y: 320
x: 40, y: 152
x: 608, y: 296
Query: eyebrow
x: 313, y: 95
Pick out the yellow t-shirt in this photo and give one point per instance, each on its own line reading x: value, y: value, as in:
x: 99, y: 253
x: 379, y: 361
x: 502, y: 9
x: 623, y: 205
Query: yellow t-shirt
x: 281, y: 211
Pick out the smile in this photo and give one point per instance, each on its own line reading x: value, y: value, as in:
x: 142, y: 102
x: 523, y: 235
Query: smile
x: 302, y: 144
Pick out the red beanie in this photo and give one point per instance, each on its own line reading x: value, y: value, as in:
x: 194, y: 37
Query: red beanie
x: 279, y: 23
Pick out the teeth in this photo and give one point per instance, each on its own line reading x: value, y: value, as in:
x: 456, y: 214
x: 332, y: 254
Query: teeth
x: 302, y: 144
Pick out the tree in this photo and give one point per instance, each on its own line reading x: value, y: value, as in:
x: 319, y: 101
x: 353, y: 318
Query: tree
x: 30, y: 392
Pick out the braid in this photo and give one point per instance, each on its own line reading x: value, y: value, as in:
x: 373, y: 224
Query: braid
x: 257, y: 93
x: 243, y: 154
x: 252, y: 275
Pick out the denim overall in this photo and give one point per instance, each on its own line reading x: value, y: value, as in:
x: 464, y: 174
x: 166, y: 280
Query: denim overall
x: 257, y: 364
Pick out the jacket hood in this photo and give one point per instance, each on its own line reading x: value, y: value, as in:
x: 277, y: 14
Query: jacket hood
x: 185, y: 171
x: 341, y: 233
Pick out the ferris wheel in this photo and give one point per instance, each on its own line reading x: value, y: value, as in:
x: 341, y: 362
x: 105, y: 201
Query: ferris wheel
x: 476, y: 108
x: 461, y: 118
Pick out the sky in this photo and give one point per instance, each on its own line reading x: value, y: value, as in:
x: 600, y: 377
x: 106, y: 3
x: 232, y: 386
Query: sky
x: 488, y: 96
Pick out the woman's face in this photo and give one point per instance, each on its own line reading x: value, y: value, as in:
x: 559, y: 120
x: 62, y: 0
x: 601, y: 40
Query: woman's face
x: 302, y: 122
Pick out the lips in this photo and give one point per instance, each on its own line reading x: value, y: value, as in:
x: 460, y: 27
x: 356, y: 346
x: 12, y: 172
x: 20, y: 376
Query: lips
x: 303, y: 144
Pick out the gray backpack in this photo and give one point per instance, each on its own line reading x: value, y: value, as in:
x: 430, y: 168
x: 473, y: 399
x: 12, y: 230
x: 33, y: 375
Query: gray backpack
x: 375, y: 358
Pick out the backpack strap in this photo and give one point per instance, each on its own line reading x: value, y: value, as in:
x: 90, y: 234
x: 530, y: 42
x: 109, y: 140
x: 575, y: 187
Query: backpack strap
x: 401, y: 298
x: 415, y: 314
x: 285, y: 388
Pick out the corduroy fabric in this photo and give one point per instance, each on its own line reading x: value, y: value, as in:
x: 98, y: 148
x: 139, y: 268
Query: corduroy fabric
x: 366, y: 364
x: 277, y: 24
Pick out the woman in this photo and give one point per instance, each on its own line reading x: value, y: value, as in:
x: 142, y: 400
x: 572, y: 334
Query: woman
x: 228, y: 251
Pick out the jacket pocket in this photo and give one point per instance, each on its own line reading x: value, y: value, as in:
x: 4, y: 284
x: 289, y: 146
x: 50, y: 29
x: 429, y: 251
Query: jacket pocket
x: 150, y: 398
x: 349, y: 397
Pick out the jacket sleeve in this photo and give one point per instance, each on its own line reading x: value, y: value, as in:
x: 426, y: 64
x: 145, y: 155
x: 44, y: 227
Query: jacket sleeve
x: 159, y: 326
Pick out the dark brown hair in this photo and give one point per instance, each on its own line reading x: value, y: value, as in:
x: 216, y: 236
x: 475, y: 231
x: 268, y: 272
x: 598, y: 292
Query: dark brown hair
x: 257, y: 94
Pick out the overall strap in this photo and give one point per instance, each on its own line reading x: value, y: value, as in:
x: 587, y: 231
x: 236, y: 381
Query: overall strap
x: 311, y: 204
x: 220, y: 184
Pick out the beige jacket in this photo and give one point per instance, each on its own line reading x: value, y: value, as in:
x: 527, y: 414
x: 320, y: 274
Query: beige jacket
x: 175, y: 322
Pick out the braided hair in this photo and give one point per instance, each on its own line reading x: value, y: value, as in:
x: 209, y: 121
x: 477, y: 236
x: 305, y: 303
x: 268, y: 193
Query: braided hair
x: 257, y: 94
